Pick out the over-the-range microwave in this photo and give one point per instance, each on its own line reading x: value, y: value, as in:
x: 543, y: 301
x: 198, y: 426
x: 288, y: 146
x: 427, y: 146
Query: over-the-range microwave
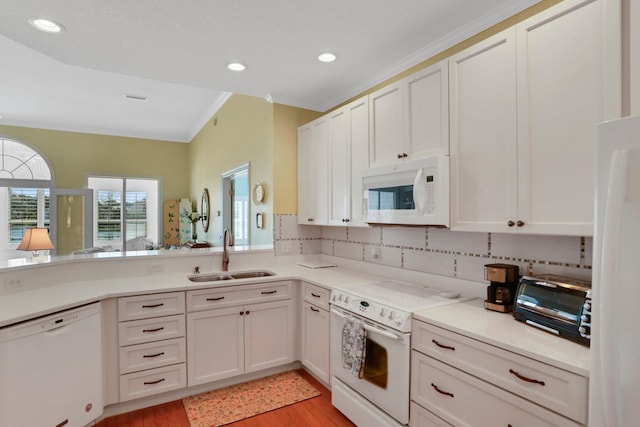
x: 413, y: 192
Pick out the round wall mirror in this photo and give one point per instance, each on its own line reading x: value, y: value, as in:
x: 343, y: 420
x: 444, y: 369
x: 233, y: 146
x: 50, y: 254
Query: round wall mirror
x: 204, y: 210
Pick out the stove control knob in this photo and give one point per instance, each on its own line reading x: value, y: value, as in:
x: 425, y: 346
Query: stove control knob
x: 587, y: 306
x: 398, y: 321
x: 347, y: 299
x: 383, y: 312
x: 392, y: 315
x: 340, y: 297
x: 334, y: 297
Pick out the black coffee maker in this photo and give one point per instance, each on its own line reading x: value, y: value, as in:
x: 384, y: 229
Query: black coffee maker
x: 502, y: 290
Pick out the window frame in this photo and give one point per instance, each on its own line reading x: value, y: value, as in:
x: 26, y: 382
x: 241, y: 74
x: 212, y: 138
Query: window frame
x: 121, y: 243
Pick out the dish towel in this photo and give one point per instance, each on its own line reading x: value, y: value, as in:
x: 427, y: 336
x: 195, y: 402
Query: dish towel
x: 354, y: 347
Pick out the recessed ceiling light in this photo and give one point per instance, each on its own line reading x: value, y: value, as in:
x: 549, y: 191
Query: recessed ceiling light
x: 326, y: 57
x: 46, y: 25
x: 135, y: 97
x: 236, y: 66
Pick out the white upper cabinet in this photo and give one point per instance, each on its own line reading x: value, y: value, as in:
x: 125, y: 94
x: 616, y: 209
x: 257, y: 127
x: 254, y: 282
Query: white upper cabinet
x: 348, y: 158
x: 386, y: 125
x: 524, y: 105
x: 313, y: 172
x: 426, y: 113
x: 483, y: 134
x: 339, y: 171
x: 563, y: 92
x: 410, y: 118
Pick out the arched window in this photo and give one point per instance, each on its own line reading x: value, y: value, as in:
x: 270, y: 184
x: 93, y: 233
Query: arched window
x: 25, y: 183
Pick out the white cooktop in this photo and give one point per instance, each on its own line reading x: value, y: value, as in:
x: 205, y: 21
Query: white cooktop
x: 390, y: 303
x: 403, y: 296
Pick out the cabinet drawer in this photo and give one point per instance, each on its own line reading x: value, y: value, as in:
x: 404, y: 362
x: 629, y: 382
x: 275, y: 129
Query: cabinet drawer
x: 153, y: 381
x: 152, y: 355
x: 561, y: 391
x: 205, y: 299
x: 147, y: 330
x: 145, y: 306
x: 316, y: 295
x: 466, y: 401
x: 420, y: 417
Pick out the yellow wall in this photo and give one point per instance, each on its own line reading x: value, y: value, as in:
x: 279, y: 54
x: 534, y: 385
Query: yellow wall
x: 74, y: 155
x: 240, y: 132
x: 286, y: 121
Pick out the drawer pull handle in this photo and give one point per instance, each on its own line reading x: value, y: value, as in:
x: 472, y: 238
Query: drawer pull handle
x: 268, y: 292
x: 448, y: 347
x: 154, y: 355
x: 215, y: 299
x: 153, y: 382
x: 523, y: 378
x: 315, y: 295
x: 153, y: 330
x: 153, y: 305
x: 315, y: 309
x: 446, y: 393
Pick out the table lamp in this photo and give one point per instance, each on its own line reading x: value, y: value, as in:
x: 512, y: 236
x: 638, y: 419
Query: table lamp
x: 35, y: 240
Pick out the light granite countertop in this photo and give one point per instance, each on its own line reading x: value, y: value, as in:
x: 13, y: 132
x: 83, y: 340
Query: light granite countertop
x: 472, y: 320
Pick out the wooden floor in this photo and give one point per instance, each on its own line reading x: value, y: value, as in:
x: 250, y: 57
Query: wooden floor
x: 315, y: 412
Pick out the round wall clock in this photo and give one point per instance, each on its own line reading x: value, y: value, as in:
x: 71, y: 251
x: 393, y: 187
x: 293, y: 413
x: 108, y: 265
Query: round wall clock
x: 259, y: 193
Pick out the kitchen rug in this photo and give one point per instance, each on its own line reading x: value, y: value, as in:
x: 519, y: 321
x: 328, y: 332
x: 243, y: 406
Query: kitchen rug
x: 240, y: 401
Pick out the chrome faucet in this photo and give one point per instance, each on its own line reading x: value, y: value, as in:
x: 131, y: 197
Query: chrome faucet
x: 227, y: 240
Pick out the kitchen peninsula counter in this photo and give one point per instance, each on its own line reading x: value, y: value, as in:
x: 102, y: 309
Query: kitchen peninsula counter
x: 33, y: 290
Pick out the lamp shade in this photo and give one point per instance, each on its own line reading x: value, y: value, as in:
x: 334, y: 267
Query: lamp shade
x: 35, y: 239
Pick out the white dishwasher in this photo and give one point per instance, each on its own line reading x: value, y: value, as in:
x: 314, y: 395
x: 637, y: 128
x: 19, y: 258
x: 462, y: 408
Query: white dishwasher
x: 51, y: 370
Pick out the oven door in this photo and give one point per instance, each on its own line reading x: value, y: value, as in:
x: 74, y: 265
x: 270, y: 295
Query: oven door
x: 385, y: 377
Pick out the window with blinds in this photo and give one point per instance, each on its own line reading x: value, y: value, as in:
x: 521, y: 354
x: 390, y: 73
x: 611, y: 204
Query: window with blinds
x: 127, y: 208
x: 28, y: 207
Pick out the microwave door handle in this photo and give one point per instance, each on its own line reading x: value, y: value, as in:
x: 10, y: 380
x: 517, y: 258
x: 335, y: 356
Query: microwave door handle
x: 419, y: 196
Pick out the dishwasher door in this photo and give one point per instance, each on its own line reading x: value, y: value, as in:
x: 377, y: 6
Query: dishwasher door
x: 51, y: 370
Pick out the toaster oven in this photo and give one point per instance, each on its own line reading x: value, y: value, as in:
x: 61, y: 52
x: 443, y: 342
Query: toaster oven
x: 556, y: 304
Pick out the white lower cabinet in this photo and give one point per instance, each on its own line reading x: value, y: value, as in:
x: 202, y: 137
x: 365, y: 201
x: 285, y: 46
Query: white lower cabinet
x: 315, y: 330
x: 152, y: 349
x: 239, y: 338
x: 466, y: 382
x: 465, y: 400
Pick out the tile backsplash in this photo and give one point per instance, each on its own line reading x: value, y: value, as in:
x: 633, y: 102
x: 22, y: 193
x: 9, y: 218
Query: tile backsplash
x: 436, y: 250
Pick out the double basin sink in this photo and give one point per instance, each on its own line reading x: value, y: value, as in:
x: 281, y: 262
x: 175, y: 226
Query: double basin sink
x: 214, y: 277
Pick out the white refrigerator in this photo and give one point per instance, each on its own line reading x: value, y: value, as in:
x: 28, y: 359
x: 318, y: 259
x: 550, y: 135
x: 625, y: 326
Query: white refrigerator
x: 614, y: 383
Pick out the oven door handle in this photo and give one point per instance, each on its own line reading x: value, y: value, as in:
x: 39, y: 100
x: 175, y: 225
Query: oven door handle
x: 370, y: 328
x: 381, y: 332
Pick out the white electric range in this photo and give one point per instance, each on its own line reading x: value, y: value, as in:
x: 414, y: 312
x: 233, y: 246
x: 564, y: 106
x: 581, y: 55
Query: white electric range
x: 376, y: 392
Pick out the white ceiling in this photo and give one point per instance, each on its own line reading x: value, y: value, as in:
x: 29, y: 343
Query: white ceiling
x: 176, y: 53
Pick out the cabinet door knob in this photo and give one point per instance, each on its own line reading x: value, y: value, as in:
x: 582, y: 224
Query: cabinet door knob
x: 399, y: 156
x: 405, y: 155
x: 520, y: 223
x: 511, y: 223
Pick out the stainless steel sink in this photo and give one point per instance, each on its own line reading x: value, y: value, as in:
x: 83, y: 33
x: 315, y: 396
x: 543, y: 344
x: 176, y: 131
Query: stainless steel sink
x: 215, y: 277
x: 251, y: 274
x: 209, y: 277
